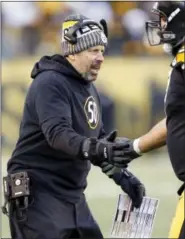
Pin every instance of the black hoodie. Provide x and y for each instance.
(61, 109)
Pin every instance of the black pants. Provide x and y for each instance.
(50, 218)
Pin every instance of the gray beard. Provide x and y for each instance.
(87, 76)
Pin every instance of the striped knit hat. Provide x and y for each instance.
(85, 39)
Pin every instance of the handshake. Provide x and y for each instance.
(112, 155)
(114, 150)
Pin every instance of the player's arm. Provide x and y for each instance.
(154, 139)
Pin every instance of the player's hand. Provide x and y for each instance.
(130, 185)
(128, 148)
(126, 153)
(106, 149)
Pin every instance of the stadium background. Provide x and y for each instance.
(132, 79)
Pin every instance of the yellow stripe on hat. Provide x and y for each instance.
(68, 24)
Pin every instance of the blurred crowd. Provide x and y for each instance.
(31, 28)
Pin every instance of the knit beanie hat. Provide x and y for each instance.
(88, 36)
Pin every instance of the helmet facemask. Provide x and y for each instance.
(156, 31)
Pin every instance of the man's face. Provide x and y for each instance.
(89, 62)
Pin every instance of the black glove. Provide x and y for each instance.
(98, 151)
(127, 152)
(130, 185)
(110, 169)
(128, 148)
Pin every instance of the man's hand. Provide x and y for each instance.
(130, 185)
(128, 182)
(106, 149)
(110, 169)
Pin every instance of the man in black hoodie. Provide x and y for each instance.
(61, 134)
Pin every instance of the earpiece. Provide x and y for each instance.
(71, 36)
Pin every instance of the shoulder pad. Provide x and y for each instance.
(179, 60)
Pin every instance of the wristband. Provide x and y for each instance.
(136, 146)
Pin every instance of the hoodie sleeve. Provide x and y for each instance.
(52, 104)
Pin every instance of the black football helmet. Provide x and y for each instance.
(173, 14)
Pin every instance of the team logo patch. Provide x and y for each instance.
(91, 112)
(66, 26)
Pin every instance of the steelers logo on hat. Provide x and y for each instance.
(103, 38)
